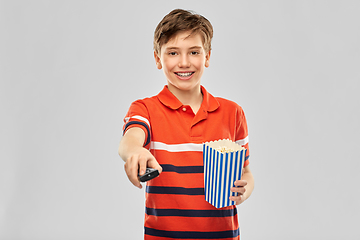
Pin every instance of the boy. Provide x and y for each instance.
(166, 132)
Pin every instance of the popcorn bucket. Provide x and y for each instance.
(223, 164)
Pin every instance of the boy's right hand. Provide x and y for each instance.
(137, 163)
(136, 157)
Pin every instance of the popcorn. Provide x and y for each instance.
(223, 165)
(224, 149)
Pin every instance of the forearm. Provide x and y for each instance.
(131, 142)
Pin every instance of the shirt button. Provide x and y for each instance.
(184, 109)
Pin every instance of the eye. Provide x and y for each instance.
(194, 53)
(172, 53)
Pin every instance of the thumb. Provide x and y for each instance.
(154, 164)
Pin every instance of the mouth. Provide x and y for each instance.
(184, 74)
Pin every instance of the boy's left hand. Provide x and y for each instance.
(240, 190)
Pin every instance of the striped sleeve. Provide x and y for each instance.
(137, 116)
(242, 137)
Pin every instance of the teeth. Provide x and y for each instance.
(184, 74)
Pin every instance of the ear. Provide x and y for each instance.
(157, 60)
(207, 59)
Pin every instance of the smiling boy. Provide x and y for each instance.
(166, 132)
(183, 60)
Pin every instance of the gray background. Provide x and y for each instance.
(70, 69)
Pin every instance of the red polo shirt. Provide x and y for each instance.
(175, 201)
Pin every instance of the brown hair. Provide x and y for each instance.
(182, 20)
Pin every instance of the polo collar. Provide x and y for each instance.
(169, 100)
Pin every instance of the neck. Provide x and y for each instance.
(192, 97)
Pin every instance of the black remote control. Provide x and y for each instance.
(149, 174)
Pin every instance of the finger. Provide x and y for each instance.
(131, 169)
(154, 164)
(142, 165)
(240, 183)
(239, 190)
(236, 199)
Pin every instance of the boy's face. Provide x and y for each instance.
(183, 60)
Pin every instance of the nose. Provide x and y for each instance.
(184, 62)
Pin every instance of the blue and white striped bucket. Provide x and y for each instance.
(221, 170)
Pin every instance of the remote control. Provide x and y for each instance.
(149, 174)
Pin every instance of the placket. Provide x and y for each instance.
(187, 114)
(194, 121)
(197, 128)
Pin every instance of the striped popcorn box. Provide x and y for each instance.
(223, 164)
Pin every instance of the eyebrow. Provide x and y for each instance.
(176, 48)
